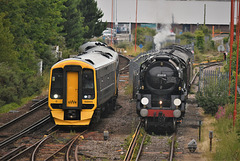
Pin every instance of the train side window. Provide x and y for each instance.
(57, 84)
(88, 84)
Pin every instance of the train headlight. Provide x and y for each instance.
(177, 113)
(160, 102)
(177, 102)
(144, 101)
(55, 96)
(144, 112)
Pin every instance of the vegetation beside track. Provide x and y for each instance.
(128, 141)
(227, 146)
(30, 31)
(217, 103)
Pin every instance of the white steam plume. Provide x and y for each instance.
(161, 36)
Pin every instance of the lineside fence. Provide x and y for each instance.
(209, 78)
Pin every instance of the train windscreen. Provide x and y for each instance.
(57, 84)
(88, 84)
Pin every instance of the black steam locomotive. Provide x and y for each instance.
(163, 86)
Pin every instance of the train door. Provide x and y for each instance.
(72, 89)
(72, 95)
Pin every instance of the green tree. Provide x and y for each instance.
(199, 36)
(43, 19)
(73, 26)
(205, 30)
(7, 51)
(187, 37)
(92, 18)
(35, 24)
(142, 32)
(27, 29)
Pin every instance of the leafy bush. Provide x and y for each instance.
(16, 84)
(187, 37)
(123, 44)
(142, 32)
(199, 36)
(228, 137)
(212, 96)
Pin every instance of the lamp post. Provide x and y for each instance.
(136, 26)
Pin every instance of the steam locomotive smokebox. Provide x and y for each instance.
(192, 145)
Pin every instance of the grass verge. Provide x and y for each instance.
(13, 106)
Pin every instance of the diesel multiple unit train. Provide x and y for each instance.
(163, 86)
(83, 87)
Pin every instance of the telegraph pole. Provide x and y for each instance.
(136, 26)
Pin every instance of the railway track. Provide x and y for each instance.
(132, 145)
(166, 152)
(48, 148)
(34, 108)
(124, 63)
(25, 131)
(22, 126)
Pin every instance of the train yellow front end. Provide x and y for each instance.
(72, 92)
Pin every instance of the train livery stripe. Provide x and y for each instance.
(166, 113)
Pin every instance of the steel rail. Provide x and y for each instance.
(39, 102)
(172, 148)
(33, 156)
(140, 149)
(76, 153)
(26, 150)
(25, 131)
(65, 146)
(13, 152)
(131, 147)
(194, 78)
(122, 69)
(71, 145)
(36, 107)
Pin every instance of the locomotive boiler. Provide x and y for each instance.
(84, 87)
(164, 83)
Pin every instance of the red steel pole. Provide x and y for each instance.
(136, 26)
(231, 42)
(237, 37)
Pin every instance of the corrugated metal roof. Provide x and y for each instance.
(161, 11)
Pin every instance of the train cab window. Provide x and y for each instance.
(57, 84)
(88, 84)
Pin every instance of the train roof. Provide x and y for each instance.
(180, 52)
(97, 56)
